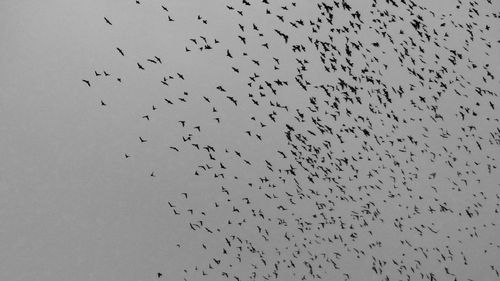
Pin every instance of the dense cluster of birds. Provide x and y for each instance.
(362, 138)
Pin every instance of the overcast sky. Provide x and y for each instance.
(72, 207)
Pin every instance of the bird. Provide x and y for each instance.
(107, 21)
(120, 51)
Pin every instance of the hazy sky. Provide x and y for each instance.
(73, 208)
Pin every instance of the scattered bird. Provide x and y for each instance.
(341, 162)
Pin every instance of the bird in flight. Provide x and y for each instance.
(107, 21)
(120, 51)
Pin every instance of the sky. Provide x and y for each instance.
(72, 207)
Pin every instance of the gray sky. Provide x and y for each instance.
(73, 208)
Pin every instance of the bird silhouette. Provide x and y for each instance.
(325, 135)
(107, 21)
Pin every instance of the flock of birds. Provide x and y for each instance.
(368, 134)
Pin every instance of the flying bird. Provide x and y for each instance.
(120, 51)
(107, 21)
